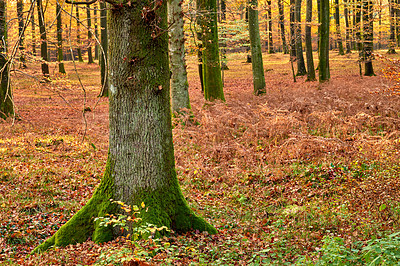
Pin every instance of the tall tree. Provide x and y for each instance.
(140, 166)
(301, 67)
(338, 33)
(292, 25)
(89, 35)
(104, 46)
(212, 78)
(20, 15)
(179, 82)
(282, 26)
(96, 33)
(323, 66)
(60, 56)
(309, 50)
(6, 103)
(43, 40)
(255, 47)
(78, 36)
(347, 24)
(368, 24)
(357, 21)
(270, 43)
(33, 30)
(392, 20)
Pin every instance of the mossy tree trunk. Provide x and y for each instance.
(6, 103)
(78, 36)
(179, 82)
(309, 50)
(323, 66)
(347, 24)
(337, 23)
(21, 47)
(141, 165)
(368, 23)
(255, 47)
(282, 26)
(301, 67)
(43, 40)
(104, 45)
(392, 20)
(212, 78)
(89, 35)
(60, 56)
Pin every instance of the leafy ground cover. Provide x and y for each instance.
(302, 170)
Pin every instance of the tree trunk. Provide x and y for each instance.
(346, 19)
(60, 57)
(255, 47)
(179, 82)
(282, 26)
(292, 30)
(223, 10)
(96, 34)
(78, 36)
(104, 54)
(212, 78)
(270, 43)
(323, 66)
(20, 15)
(89, 34)
(6, 103)
(43, 39)
(301, 67)
(309, 50)
(33, 32)
(397, 12)
(358, 31)
(392, 19)
(140, 166)
(368, 22)
(338, 33)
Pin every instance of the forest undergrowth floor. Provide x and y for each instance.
(274, 174)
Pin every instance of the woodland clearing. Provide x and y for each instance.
(274, 174)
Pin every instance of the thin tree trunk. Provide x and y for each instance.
(179, 82)
(301, 67)
(282, 26)
(358, 31)
(6, 103)
(309, 50)
(368, 22)
(346, 19)
(392, 38)
(21, 34)
(338, 33)
(397, 12)
(33, 32)
(96, 34)
(212, 78)
(223, 10)
(292, 30)
(43, 39)
(78, 36)
(140, 166)
(89, 35)
(255, 47)
(104, 45)
(60, 57)
(270, 43)
(323, 66)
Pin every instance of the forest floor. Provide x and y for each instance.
(276, 174)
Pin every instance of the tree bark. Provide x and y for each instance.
(89, 35)
(338, 33)
(78, 36)
(392, 19)
(309, 50)
(292, 30)
(60, 57)
(43, 40)
(104, 54)
(346, 19)
(179, 82)
(282, 26)
(270, 43)
(21, 46)
(140, 166)
(323, 66)
(212, 78)
(358, 31)
(255, 47)
(368, 32)
(33, 30)
(301, 67)
(6, 103)
(96, 34)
